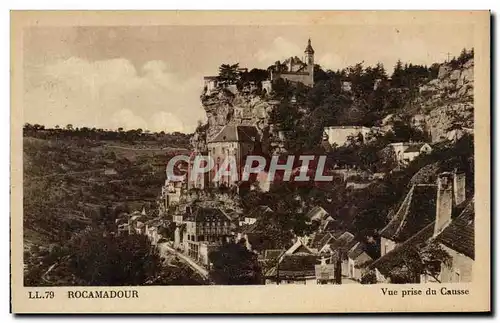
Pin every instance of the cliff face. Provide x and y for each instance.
(448, 100)
(235, 108)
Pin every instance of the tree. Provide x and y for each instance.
(417, 260)
(103, 260)
(397, 75)
(69, 126)
(255, 75)
(433, 256)
(233, 264)
(229, 73)
(369, 278)
(434, 71)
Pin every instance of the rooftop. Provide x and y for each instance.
(309, 49)
(316, 213)
(417, 210)
(273, 254)
(356, 250)
(459, 235)
(207, 215)
(396, 257)
(414, 148)
(345, 241)
(259, 211)
(327, 238)
(295, 266)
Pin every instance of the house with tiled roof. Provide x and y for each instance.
(396, 257)
(357, 259)
(417, 210)
(455, 234)
(457, 239)
(406, 152)
(257, 213)
(269, 258)
(272, 254)
(295, 266)
(416, 150)
(329, 225)
(339, 247)
(254, 241)
(322, 240)
(317, 214)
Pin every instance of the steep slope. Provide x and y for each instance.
(234, 107)
(447, 102)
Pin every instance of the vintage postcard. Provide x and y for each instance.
(250, 162)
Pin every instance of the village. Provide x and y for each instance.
(431, 228)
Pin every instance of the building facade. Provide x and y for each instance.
(339, 135)
(298, 71)
(231, 143)
(205, 225)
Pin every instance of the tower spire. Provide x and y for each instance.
(309, 49)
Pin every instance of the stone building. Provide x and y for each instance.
(297, 70)
(170, 194)
(296, 266)
(406, 152)
(457, 239)
(205, 225)
(339, 135)
(357, 259)
(426, 215)
(232, 142)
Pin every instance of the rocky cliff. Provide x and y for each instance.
(448, 101)
(225, 107)
(441, 105)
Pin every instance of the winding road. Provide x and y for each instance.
(165, 249)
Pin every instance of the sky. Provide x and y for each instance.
(151, 77)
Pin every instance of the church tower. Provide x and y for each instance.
(310, 60)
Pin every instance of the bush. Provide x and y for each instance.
(369, 278)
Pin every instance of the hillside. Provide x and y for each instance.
(412, 103)
(69, 184)
(448, 101)
(433, 100)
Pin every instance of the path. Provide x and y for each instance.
(165, 249)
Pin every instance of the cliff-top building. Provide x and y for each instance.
(297, 70)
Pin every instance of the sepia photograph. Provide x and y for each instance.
(160, 155)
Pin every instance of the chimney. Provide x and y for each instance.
(444, 202)
(458, 187)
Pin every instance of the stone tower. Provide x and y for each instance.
(310, 60)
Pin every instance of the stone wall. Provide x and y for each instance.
(304, 78)
(340, 135)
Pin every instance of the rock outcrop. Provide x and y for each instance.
(225, 107)
(448, 101)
